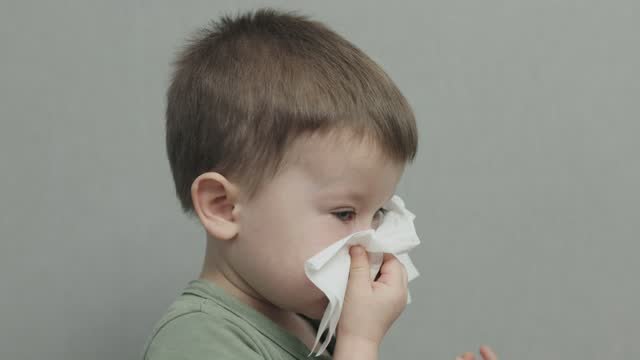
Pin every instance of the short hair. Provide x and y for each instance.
(244, 87)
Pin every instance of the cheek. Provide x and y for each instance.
(312, 294)
(328, 230)
(308, 284)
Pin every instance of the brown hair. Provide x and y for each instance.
(244, 88)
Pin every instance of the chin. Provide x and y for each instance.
(316, 309)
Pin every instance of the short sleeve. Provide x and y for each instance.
(201, 336)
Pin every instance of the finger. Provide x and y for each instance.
(391, 271)
(467, 356)
(388, 257)
(406, 276)
(359, 270)
(487, 353)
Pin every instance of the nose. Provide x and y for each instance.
(366, 224)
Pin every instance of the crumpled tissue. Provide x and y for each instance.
(329, 269)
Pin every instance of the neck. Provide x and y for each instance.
(219, 272)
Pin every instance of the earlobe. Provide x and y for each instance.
(215, 202)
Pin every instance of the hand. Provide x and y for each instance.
(370, 307)
(485, 351)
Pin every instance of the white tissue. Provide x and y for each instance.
(329, 269)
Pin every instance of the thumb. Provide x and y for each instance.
(359, 271)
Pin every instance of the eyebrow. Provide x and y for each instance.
(354, 195)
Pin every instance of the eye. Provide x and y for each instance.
(345, 215)
(348, 215)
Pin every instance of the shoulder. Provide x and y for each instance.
(195, 334)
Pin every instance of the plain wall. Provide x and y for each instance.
(525, 186)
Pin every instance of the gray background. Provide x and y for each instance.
(525, 185)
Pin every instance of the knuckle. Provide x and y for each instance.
(359, 267)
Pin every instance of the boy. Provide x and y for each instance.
(282, 138)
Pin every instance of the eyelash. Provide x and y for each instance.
(383, 211)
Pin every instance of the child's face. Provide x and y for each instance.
(330, 188)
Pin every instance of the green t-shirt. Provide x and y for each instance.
(207, 323)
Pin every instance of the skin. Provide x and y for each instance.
(331, 185)
(485, 351)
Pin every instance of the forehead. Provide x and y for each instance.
(341, 160)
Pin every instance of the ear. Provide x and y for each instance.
(215, 201)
